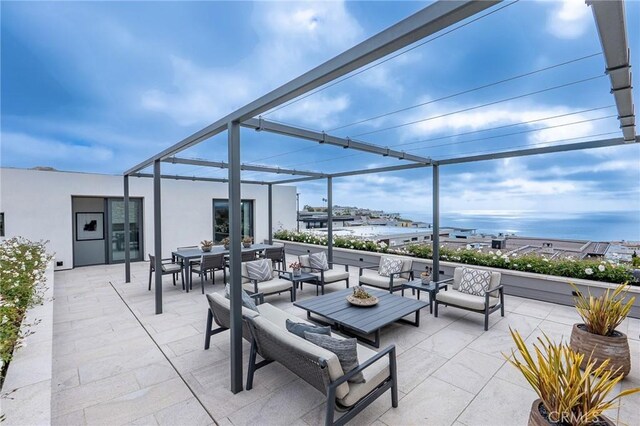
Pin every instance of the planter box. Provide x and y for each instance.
(29, 375)
(547, 288)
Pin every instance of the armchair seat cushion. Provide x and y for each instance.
(171, 267)
(464, 300)
(373, 279)
(373, 376)
(333, 275)
(269, 287)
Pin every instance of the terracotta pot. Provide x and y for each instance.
(615, 348)
(540, 417)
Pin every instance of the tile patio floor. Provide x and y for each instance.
(116, 362)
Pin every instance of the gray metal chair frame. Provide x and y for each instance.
(321, 271)
(221, 316)
(248, 256)
(487, 309)
(208, 263)
(392, 288)
(277, 256)
(314, 371)
(152, 269)
(281, 274)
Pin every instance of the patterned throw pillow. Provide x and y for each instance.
(319, 261)
(260, 270)
(389, 265)
(474, 281)
(247, 301)
(299, 328)
(345, 349)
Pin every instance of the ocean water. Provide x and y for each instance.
(599, 226)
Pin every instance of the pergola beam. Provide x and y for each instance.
(536, 151)
(260, 124)
(612, 30)
(421, 24)
(246, 167)
(196, 178)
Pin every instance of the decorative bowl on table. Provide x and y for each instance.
(206, 249)
(361, 298)
(206, 245)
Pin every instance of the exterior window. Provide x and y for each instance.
(1, 224)
(221, 219)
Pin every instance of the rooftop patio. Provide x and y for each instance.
(117, 362)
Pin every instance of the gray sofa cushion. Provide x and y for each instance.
(372, 278)
(346, 350)
(332, 275)
(247, 301)
(474, 281)
(260, 270)
(299, 328)
(464, 300)
(389, 265)
(319, 261)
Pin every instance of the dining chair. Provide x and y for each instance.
(209, 263)
(169, 267)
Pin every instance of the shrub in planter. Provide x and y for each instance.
(22, 268)
(598, 336)
(567, 394)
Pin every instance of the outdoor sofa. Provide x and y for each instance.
(317, 366)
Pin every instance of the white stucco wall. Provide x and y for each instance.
(37, 205)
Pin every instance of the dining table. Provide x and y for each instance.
(186, 256)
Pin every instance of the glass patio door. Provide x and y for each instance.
(221, 219)
(115, 229)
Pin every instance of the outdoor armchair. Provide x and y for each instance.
(488, 302)
(277, 256)
(328, 276)
(209, 263)
(276, 285)
(370, 276)
(168, 268)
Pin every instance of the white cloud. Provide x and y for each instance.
(29, 151)
(293, 38)
(568, 19)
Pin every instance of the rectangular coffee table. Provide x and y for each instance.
(360, 321)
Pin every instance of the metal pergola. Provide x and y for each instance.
(611, 26)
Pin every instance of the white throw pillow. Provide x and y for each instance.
(260, 270)
(318, 261)
(474, 281)
(389, 265)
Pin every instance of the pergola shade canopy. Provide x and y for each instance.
(611, 26)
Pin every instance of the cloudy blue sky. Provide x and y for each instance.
(100, 86)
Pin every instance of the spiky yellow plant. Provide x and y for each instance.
(569, 394)
(601, 315)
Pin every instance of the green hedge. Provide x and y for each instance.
(596, 270)
(22, 265)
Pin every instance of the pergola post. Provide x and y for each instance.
(127, 236)
(436, 223)
(235, 256)
(330, 219)
(270, 214)
(157, 234)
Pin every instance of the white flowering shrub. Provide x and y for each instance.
(22, 276)
(591, 269)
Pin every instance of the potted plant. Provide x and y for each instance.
(247, 241)
(296, 268)
(206, 245)
(597, 336)
(568, 395)
(225, 242)
(426, 275)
